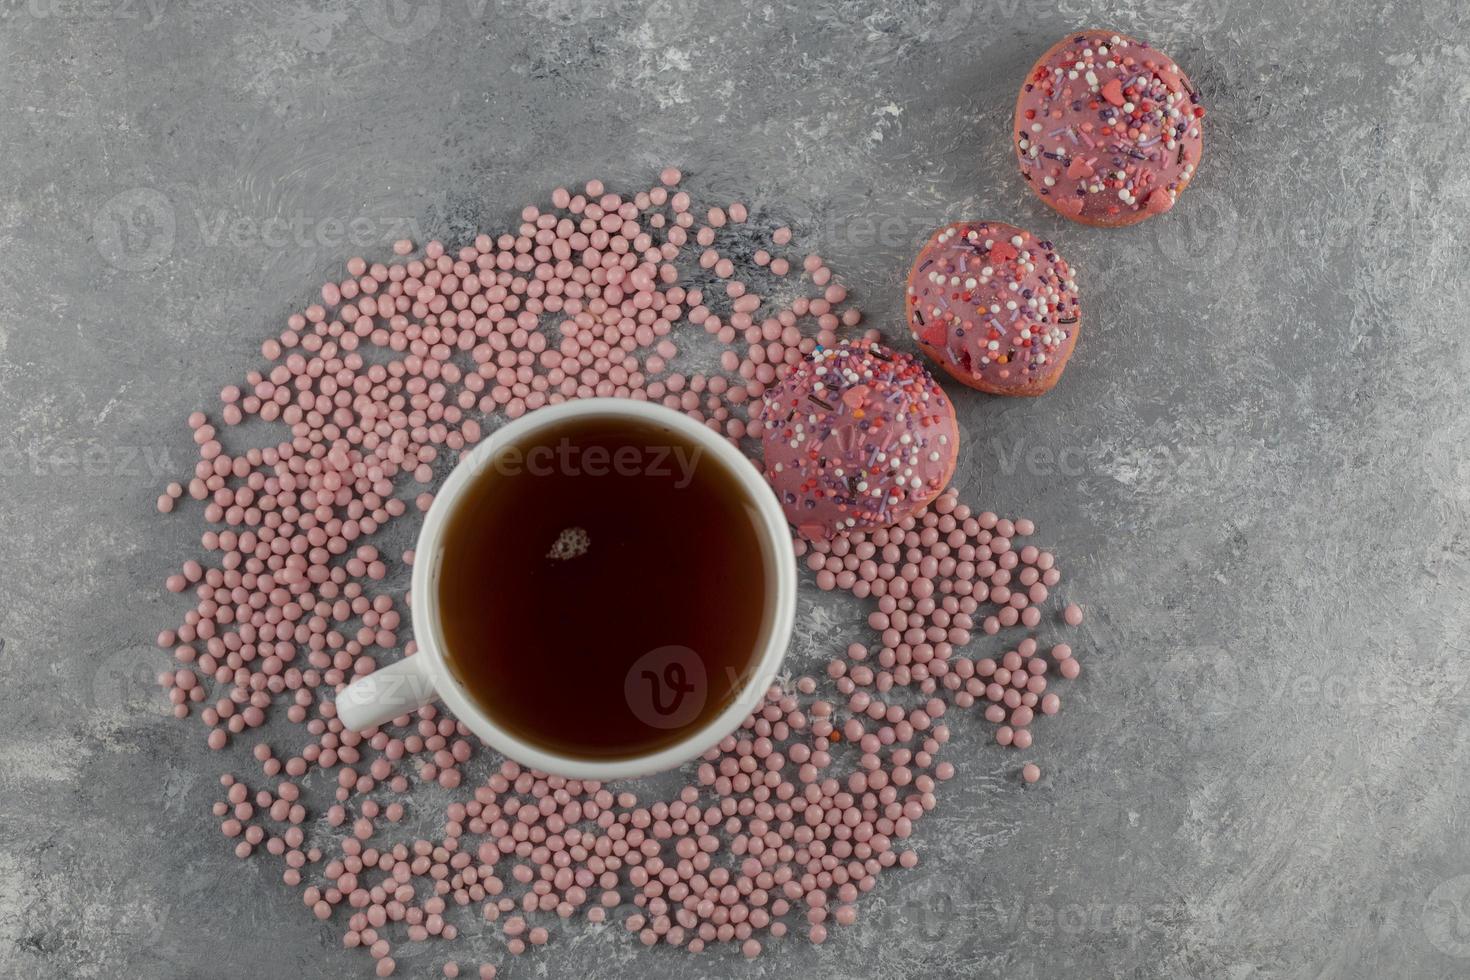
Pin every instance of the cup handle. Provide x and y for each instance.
(385, 694)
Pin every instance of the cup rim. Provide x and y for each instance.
(428, 633)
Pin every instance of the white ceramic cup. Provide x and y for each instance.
(415, 681)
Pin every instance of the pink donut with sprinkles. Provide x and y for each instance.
(995, 307)
(857, 437)
(1108, 129)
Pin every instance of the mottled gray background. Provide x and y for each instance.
(1254, 471)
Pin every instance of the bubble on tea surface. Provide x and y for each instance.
(573, 542)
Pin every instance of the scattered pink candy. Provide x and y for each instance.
(373, 392)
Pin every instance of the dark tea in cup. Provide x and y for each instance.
(603, 588)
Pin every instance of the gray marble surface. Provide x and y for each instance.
(1255, 469)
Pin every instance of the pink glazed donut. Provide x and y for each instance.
(1108, 129)
(857, 437)
(995, 307)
